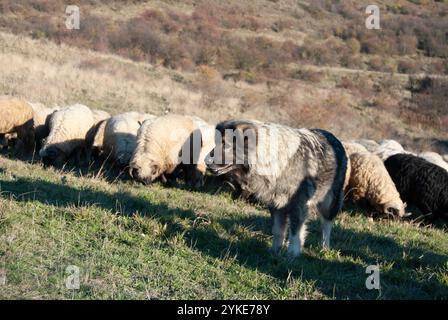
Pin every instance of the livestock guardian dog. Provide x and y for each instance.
(292, 171)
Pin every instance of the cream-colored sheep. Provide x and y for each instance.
(41, 116)
(434, 158)
(100, 115)
(169, 144)
(95, 140)
(68, 129)
(16, 118)
(353, 147)
(120, 136)
(370, 180)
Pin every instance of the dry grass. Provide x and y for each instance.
(345, 101)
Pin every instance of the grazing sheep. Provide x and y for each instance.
(120, 136)
(170, 144)
(16, 117)
(391, 144)
(293, 171)
(420, 183)
(68, 129)
(389, 148)
(100, 115)
(370, 145)
(370, 180)
(353, 147)
(41, 116)
(434, 158)
(95, 140)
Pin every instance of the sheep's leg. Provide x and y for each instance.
(279, 222)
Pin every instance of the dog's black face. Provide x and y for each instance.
(233, 144)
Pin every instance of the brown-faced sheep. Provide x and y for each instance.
(16, 117)
(120, 136)
(370, 180)
(68, 129)
(170, 144)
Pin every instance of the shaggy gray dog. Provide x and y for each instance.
(292, 171)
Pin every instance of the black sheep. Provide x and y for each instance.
(420, 183)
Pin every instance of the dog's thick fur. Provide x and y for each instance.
(420, 183)
(304, 173)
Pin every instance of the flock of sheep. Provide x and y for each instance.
(383, 175)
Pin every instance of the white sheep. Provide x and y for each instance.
(170, 144)
(68, 128)
(434, 158)
(41, 116)
(389, 148)
(120, 136)
(370, 180)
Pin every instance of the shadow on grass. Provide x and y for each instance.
(335, 277)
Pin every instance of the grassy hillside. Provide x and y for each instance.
(131, 241)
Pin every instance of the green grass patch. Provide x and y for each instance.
(135, 242)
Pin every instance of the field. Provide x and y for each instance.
(130, 241)
(135, 242)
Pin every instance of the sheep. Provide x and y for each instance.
(389, 148)
(370, 145)
(370, 180)
(41, 116)
(353, 147)
(170, 144)
(120, 136)
(95, 140)
(350, 148)
(100, 115)
(420, 183)
(68, 128)
(434, 158)
(16, 117)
